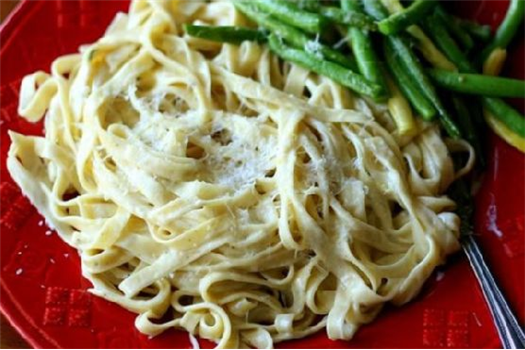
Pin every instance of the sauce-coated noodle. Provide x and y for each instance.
(217, 189)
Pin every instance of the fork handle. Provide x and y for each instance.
(509, 330)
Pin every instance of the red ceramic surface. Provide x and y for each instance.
(44, 295)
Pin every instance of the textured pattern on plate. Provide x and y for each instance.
(446, 329)
(44, 294)
(65, 306)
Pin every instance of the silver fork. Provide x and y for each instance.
(509, 330)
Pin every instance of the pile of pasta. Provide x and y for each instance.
(217, 189)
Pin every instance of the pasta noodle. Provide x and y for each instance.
(216, 189)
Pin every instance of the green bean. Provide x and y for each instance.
(291, 14)
(309, 5)
(467, 126)
(413, 67)
(422, 41)
(403, 19)
(501, 110)
(450, 126)
(478, 84)
(348, 17)
(462, 36)
(352, 5)
(482, 32)
(225, 34)
(475, 106)
(375, 9)
(507, 28)
(505, 113)
(293, 35)
(460, 193)
(411, 63)
(437, 30)
(366, 58)
(361, 45)
(410, 90)
(331, 70)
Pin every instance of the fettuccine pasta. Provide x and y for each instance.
(217, 189)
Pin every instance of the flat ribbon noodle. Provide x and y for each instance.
(247, 198)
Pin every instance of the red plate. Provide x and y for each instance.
(44, 295)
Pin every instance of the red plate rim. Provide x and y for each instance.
(9, 306)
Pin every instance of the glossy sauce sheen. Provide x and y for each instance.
(43, 292)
